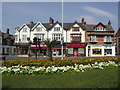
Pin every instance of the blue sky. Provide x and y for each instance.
(14, 14)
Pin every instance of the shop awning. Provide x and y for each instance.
(75, 45)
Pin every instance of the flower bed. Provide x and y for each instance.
(28, 70)
(57, 63)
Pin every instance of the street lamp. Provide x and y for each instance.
(62, 34)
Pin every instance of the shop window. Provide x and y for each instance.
(7, 50)
(97, 51)
(70, 50)
(80, 51)
(108, 51)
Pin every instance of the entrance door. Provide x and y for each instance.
(3, 51)
(75, 51)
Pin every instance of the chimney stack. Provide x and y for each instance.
(31, 22)
(109, 22)
(7, 31)
(83, 21)
(51, 21)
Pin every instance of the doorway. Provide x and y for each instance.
(75, 51)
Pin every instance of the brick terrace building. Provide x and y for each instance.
(100, 40)
(7, 43)
(118, 42)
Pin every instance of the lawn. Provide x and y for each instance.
(95, 78)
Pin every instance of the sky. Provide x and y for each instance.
(15, 14)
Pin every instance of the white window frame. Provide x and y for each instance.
(24, 37)
(107, 37)
(56, 37)
(40, 36)
(56, 28)
(38, 29)
(24, 29)
(93, 37)
(16, 37)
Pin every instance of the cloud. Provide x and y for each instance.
(89, 19)
(98, 12)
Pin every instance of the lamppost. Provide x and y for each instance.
(62, 34)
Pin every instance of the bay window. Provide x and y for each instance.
(56, 37)
(75, 37)
(107, 39)
(92, 38)
(40, 36)
(24, 37)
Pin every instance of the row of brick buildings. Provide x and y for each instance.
(80, 39)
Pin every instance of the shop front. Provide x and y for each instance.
(76, 49)
(100, 50)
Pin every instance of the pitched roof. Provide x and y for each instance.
(31, 25)
(90, 27)
(47, 25)
(68, 26)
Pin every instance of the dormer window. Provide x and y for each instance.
(75, 28)
(99, 29)
(24, 29)
(56, 28)
(39, 29)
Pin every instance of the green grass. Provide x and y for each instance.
(95, 78)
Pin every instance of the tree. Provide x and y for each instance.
(50, 45)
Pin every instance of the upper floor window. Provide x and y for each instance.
(92, 38)
(40, 36)
(56, 37)
(24, 29)
(75, 28)
(16, 37)
(118, 39)
(100, 29)
(56, 28)
(24, 37)
(75, 37)
(39, 29)
(107, 39)
(0, 40)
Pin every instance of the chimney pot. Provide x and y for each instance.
(109, 22)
